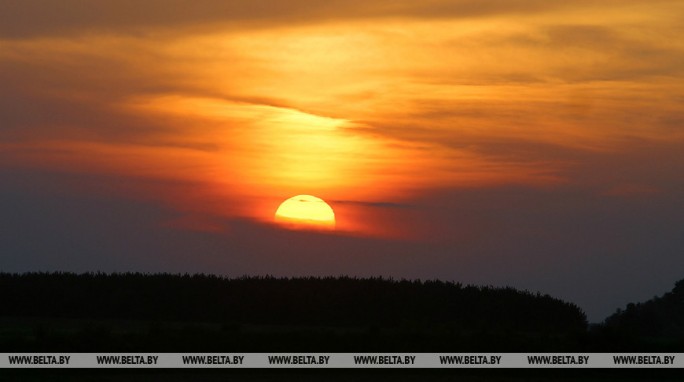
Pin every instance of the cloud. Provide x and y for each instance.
(27, 18)
(373, 204)
(605, 53)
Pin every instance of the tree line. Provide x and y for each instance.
(182, 312)
(656, 324)
(308, 301)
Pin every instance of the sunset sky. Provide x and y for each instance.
(536, 144)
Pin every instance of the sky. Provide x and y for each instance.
(522, 143)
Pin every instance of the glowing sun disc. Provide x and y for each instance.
(306, 211)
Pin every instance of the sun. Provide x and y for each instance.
(307, 212)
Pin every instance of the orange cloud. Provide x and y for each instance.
(365, 102)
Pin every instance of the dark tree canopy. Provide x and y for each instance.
(342, 301)
(165, 312)
(661, 317)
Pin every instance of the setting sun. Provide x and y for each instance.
(306, 211)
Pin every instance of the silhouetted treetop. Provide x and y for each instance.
(307, 301)
(659, 317)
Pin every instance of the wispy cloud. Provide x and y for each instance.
(358, 101)
(28, 18)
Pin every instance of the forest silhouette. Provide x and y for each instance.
(183, 313)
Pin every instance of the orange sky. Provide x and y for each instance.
(385, 109)
(368, 108)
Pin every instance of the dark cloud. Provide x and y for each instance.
(373, 204)
(25, 18)
(615, 55)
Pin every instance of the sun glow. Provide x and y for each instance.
(371, 111)
(305, 211)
